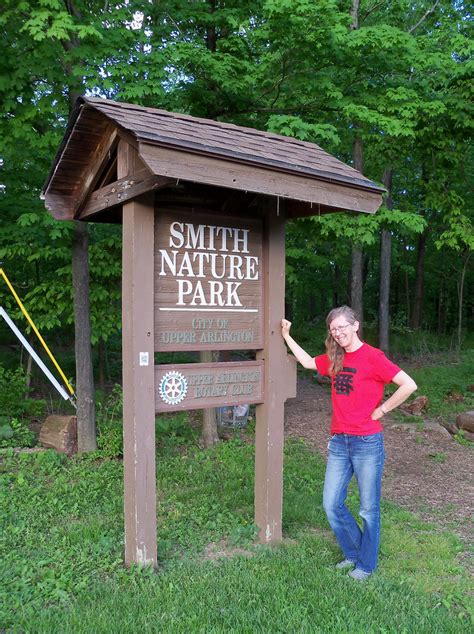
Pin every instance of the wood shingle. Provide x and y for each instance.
(186, 148)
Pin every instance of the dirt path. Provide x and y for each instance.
(425, 472)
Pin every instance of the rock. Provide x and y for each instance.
(17, 450)
(432, 426)
(454, 397)
(415, 407)
(465, 421)
(450, 427)
(60, 433)
(410, 427)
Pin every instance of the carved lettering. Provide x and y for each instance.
(206, 391)
(207, 247)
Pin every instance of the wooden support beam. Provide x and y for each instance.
(270, 414)
(139, 382)
(121, 191)
(138, 373)
(101, 156)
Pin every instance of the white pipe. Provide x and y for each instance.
(57, 385)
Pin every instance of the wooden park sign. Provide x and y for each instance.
(202, 385)
(203, 206)
(208, 282)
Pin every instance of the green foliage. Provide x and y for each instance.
(110, 440)
(461, 438)
(15, 433)
(438, 457)
(398, 78)
(445, 380)
(63, 538)
(12, 391)
(296, 127)
(6, 431)
(172, 430)
(109, 424)
(16, 410)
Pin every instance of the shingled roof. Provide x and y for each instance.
(201, 150)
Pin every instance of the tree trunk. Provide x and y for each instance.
(357, 270)
(312, 305)
(355, 14)
(385, 271)
(101, 365)
(209, 436)
(460, 298)
(465, 421)
(357, 283)
(417, 314)
(335, 288)
(211, 36)
(357, 275)
(86, 432)
(29, 373)
(384, 292)
(439, 309)
(407, 298)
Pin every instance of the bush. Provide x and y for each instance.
(110, 440)
(171, 429)
(109, 424)
(15, 433)
(16, 410)
(173, 426)
(12, 391)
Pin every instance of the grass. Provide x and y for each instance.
(445, 382)
(62, 542)
(445, 379)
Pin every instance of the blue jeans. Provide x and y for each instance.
(363, 456)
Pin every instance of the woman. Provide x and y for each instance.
(359, 373)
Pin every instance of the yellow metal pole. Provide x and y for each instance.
(35, 329)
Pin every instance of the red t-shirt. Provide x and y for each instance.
(358, 389)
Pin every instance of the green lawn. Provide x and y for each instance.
(447, 384)
(62, 541)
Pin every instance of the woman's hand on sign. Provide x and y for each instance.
(303, 357)
(285, 327)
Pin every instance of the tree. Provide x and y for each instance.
(385, 270)
(397, 86)
(46, 78)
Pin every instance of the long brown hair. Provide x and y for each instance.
(334, 351)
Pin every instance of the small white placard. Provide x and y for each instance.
(144, 358)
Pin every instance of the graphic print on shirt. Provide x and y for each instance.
(343, 383)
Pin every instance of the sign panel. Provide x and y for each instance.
(201, 385)
(208, 282)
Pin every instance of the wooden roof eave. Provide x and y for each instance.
(330, 195)
(168, 163)
(87, 201)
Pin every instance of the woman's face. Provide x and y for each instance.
(343, 331)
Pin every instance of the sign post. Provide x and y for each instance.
(138, 372)
(279, 383)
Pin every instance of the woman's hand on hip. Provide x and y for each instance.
(377, 413)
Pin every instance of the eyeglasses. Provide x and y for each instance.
(334, 331)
